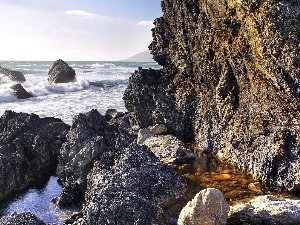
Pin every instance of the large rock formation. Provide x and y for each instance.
(7, 75)
(29, 148)
(230, 81)
(61, 72)
(116, 181)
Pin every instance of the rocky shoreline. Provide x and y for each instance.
(229, 85)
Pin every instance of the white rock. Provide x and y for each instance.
(207, 208)
(167, 148)
(267, 209)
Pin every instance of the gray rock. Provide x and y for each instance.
(133, 190)
(167, 148)
(29, 151)
(25, 218)
(114, 113)
(159, 129)
(266, 210)
(7, 75)
(61, 72)
(20, 92)
(115, 182)
(208, 207)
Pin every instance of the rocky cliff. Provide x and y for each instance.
(230, 82)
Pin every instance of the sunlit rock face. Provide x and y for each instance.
(230, 81)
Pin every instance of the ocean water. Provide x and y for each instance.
(100, 85)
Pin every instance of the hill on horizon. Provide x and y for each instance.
(140, 57)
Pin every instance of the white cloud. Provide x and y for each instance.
(146, 24)
(81, 14)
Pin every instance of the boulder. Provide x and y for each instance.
(25, 218)
(167, 148)
(7, 75)
(20, 92)
(230, 82)
(29, 149)
(113, 179)
(208, 207)
(266, 209)
(61, 72)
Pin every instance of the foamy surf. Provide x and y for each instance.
(100, 85)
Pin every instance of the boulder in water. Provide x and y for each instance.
(20, 92)
(61, 72)
(11, 75)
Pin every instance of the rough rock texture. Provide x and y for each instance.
(230, 81)
(266, 210)
(61, 72)
(208, 207)
(21, 219)
(29, 148)
(116, 181)
(20, 92)
(7, 75)
(167, 148)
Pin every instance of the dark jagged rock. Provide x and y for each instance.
(20, 92)
(150, 96)
(11, 75)
(29, 148)
(61, 72)
(25, 218)
(117, 182)
(231, 78)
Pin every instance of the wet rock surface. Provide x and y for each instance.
(115, 180)
(11, 75)
(230, 81)
(61, 72)
(29, 149)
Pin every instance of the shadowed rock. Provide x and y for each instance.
(29, 148)
(117, 182)
(61, 72)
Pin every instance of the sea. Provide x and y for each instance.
(100, 85)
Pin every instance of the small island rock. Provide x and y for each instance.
(61, 72)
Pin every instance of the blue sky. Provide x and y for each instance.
(75, 29)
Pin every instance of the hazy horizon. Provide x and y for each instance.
(96, 30)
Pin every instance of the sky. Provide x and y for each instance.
(75, 29)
